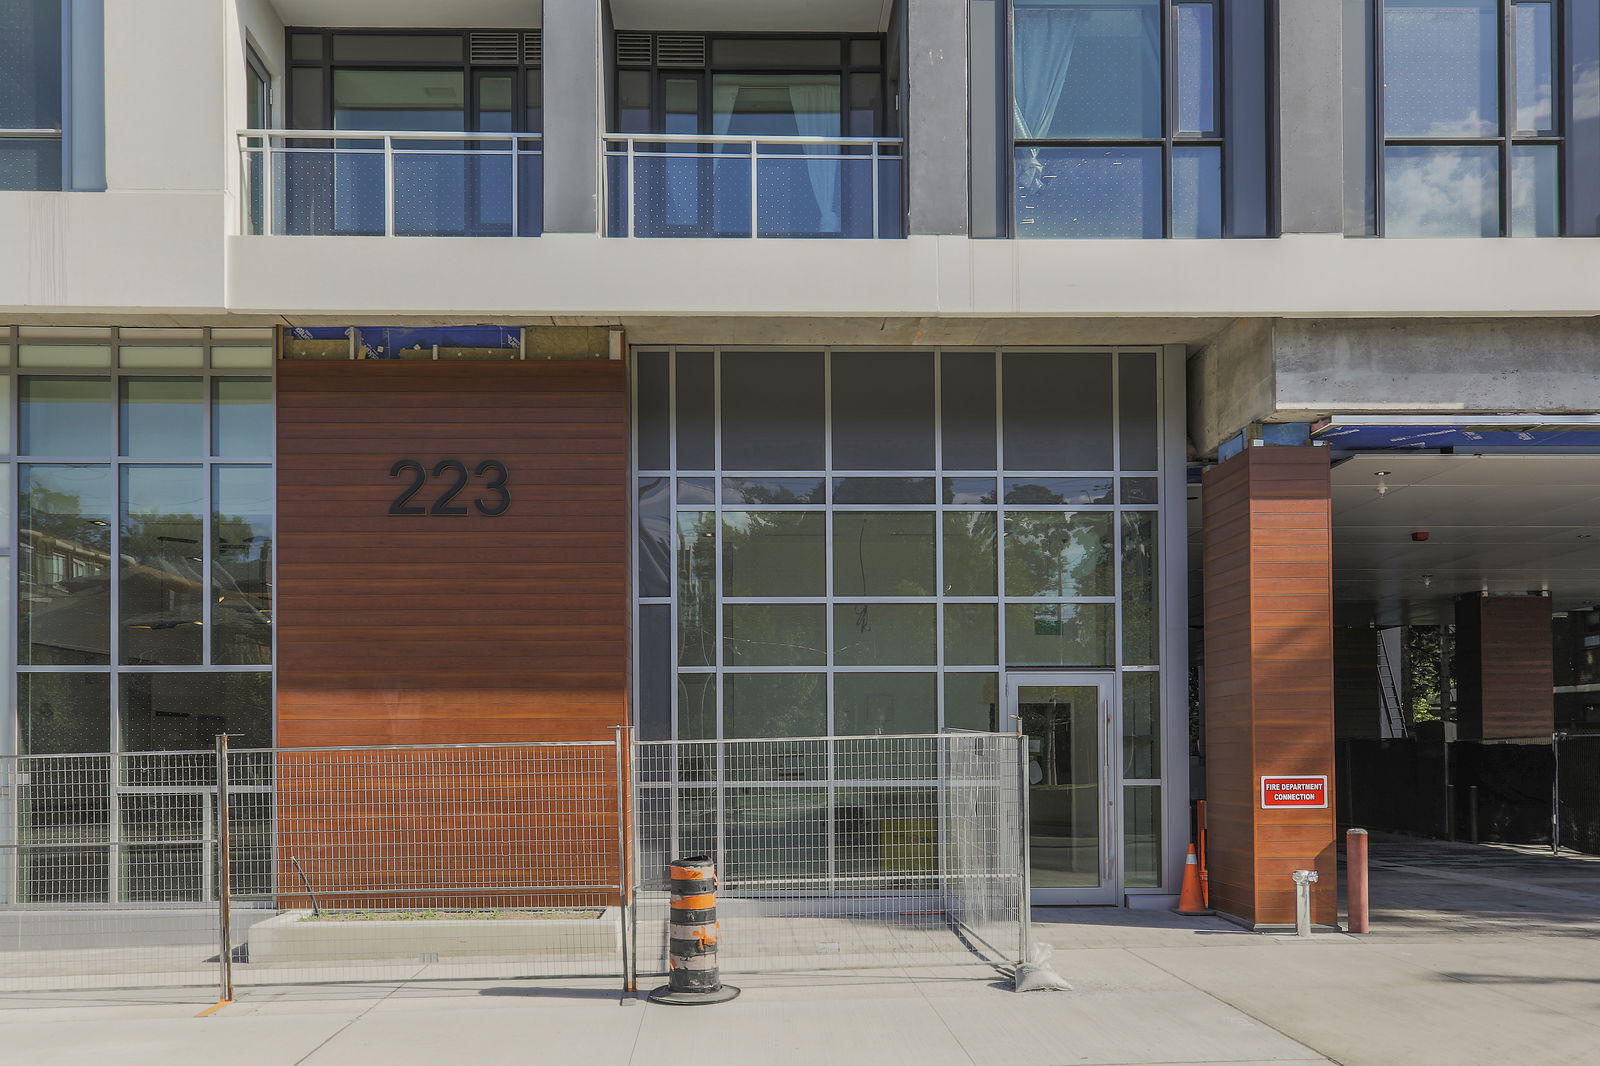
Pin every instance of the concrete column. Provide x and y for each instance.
(1267, 533)
(573, 116)
(936, 119)
(1505, 670)
(1311, 116)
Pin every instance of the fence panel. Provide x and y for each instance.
(444, 862)
(506, 861)
(837, 852)
(107, 870)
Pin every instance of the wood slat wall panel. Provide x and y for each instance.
(1506, 686)
(453, 629)
(449, 629)
(1267, 545)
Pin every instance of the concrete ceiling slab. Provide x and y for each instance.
(753, 16)
(1510, 524)
(411, 14)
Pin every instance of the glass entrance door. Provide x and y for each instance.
(1067, 719)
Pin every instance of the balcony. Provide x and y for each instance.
(343, 183)
(692, 185)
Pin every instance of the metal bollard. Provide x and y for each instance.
(1355, 873)
(1303, 880)
(692, 977)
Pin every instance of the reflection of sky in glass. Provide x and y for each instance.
(1197, 92)
(1440, 61)
(1535, 190)
(1197, 191)
(1535, 37)
(1445, 191)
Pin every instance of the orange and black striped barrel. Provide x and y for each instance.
(692, 931)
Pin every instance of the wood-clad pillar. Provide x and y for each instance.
(1267, 532)
(1505, 683)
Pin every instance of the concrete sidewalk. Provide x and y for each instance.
(1518, 984)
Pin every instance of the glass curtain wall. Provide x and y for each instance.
(141, 585)
(852, 542)
(30, 94)
(1116, 118)
(1471, 117)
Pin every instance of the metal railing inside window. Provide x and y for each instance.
(1469, 97)
(703, 185)
(1117, 119)
(349, 183)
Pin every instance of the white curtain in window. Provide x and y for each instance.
(816, 114)
(1045, 37)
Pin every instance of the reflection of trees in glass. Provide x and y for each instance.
(163, 585)
(969, 553)
(697, 588)
(775, 705)
(883, 553)
(1139, 587)
(64, 579)
(773, 490)
(773, 553)
(1059, 553)
(771, 634)
(241, 579)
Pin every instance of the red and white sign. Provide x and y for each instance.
(1303, 790)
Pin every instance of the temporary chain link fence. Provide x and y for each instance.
(505, 861)
(838, 852)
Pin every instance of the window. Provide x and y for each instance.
(368, 83)
(1470, 106)
(1117, 124)
(138, 591)
(745, 89)
(30, 94)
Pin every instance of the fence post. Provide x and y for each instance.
(224, 879)
(1555, 793)
(624, 863)
(1025, 902)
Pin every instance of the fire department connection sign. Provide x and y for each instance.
(1309, 792)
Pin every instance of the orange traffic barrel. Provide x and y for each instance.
(692, 975)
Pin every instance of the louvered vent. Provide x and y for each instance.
(680, 50)
(494, 47)
(633, 49)
(533, 48)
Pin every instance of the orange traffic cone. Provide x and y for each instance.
(1192, 902)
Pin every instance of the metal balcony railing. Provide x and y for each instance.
(689, 185)
(359, 183)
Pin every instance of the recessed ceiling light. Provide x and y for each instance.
(1382, 473)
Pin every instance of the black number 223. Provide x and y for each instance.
(454, 472)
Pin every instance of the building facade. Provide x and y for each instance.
(735, 370)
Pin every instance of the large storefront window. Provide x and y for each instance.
(141, 464)
(856, 542)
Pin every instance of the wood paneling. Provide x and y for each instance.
(1267, 535)
(1505, 665)
(451, 629)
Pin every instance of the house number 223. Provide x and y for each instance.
(453, 474)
